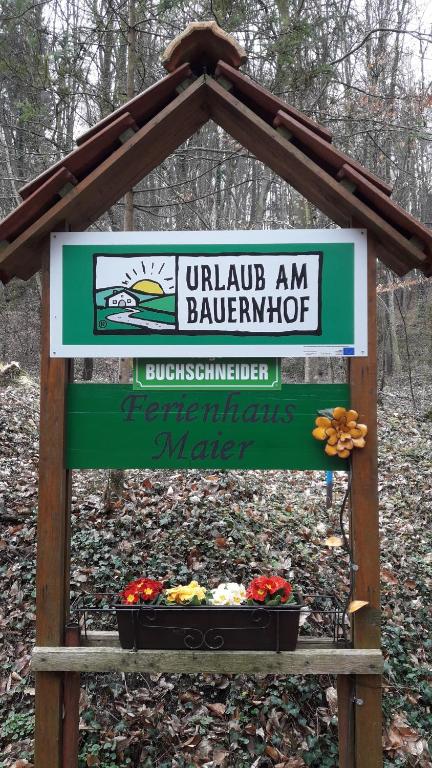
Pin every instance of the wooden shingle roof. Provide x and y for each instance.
(203, 83)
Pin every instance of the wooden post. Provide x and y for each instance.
(365, 538)
(71, 696)
(345, 700)
(53, 536)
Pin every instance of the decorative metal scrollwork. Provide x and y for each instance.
(194, 638)
(147, 613)
(261, 618)
(213, 639)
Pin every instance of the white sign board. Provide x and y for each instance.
(209, 294)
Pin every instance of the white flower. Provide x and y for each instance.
(228, 594)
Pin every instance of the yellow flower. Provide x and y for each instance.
(341, 432)
(185, 593)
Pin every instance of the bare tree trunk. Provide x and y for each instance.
(129, 218)
(128, 223)
(87, 373)
(116, 477)
(395, 355)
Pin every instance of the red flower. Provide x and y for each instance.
(146, 590)
(257, 589)
(265, 588)
(129, 597)
(149, 589)
(282, 587)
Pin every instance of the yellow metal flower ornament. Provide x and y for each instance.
(341, 430)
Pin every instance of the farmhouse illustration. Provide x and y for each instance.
(121, 299)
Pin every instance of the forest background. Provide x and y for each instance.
(363, 69)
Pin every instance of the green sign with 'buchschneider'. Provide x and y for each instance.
(114, 426)
(207, 374)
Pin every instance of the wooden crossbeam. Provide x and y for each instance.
(416, 232)
(307, 177)
(112, 178)
(83, 159)
(37, 203)
(306, 661)
(145, 105)
(266, 101)
(311, 143)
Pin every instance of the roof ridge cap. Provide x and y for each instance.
(202, 44)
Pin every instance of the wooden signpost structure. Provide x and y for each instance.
(204, 82)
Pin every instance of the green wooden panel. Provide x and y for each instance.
(113, 426)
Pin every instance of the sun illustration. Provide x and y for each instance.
(148, 286)
(154, 276)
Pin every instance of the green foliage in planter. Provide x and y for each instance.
(277, 600)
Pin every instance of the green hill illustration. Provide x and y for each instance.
(134, 309)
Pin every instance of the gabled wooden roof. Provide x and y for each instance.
(204, 82)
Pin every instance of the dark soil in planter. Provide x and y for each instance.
(237, 628)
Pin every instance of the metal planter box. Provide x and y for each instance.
(204, 628)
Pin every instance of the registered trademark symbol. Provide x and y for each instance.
(102, 323)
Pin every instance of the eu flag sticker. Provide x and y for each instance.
(347, 351)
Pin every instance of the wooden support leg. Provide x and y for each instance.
(48, 723)
(52, 568)
(71, 696)
(368, 722)
(345, 694)
(365, 538)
